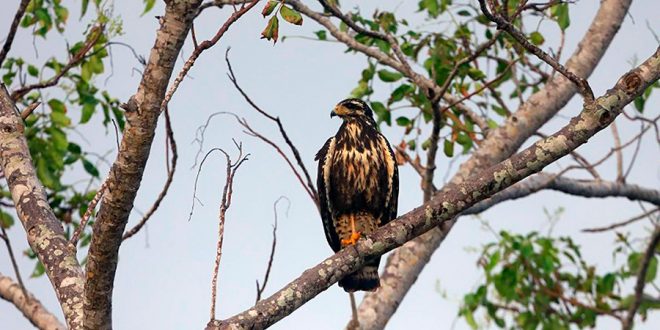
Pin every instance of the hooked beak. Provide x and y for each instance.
(333, 114)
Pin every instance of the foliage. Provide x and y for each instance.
(271, 32)
(534, 281)
(75, 101)
(461, 28)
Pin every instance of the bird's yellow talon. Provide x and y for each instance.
(355, 236)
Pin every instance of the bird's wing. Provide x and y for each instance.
(392, 181)
(324, 156)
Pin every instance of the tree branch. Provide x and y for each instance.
(142, 112)
(171, 143)
(583, 188)
(204, 45)
(400, 274)
(311, 189)
(31, 308)
(44, 231)
(12, 30)
(97, 32)
(504, 24)
(227, 192)
(628, 322)
(448, 203)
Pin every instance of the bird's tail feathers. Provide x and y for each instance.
(364, 279)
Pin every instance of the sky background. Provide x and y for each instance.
(164, 273)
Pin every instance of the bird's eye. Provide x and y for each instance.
(353, 105)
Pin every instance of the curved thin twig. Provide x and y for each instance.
(168, 182)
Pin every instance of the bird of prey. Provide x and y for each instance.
(358, 185)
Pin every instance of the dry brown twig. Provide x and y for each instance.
(97, 32)
(310, 187)
(261, 287)
(622, 223)
(6, 47)
(628, 322)
(204, 45)
(171, 168)
(224, 206)
(503, 24)
(14, 264)
(88, 213)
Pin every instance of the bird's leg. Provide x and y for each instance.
(355, 235)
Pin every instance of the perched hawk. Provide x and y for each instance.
(358, 184)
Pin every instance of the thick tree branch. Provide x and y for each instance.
(12, 30)
(450, 202)
(44, 231)
(142, 112)
(583, 188)
(400, 273)
(31, 308)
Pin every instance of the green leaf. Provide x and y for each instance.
(463, 13)
(639, 103)
(45, 175)
(90, 168)
(449, 148)
(148, 5)
(6, 220)
(85, 4)
(291, 15)
(401, 91)
(269, 7)
(272, 29)
(32, 70)
(537, 38)
(403, 121)
(431, 6)
(321, 34)
(382, 113)
(87, 112)
(60, 119)
(57, 106)
(389, 76)
(652, 270)
(560, 13)
(476, 74)
(38, 270)
(361, 90)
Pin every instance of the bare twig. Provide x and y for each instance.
(14, 264)
(88, 213)
(262, 287)
(354, 324)
(96, 33)
(350, 23)
(311, 189)
(224, 206)
(621, 224)
(12, 30)
(619, 153)
(171, 167)
(29, 109)
(204, 45)
(503, 24)
(627, 323)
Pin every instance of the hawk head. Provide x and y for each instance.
(352, 109)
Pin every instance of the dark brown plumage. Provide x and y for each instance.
(358, 185)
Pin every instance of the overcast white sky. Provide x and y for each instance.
(163, 279)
